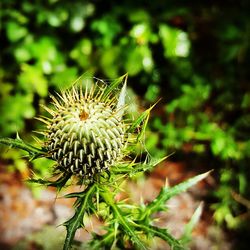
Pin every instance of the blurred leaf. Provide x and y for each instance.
(64, 79)
(175, 41)
(22, 53)
(13, 111)
(187, 235)
(77, 23)
(57, 17)
(110, 62)
(43, 167)
(224, 145)
(138, 58)
(15, 159)
(32, 80)
(15, 31)
(138, 15)
(246, 100)
(152, 93)
(6, 88)
(133, 64)
(141, 32)
(82, 53)
(192, 97)
(108, 28)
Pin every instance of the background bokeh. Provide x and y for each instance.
(194, 56)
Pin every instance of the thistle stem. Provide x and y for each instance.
(19, 143)
(108, 197)
(76, 221)
(161, 233)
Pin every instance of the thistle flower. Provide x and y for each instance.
(87, 133)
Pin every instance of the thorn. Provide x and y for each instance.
(142, 200)
(17, 136)
(166, 183)
(42, 120)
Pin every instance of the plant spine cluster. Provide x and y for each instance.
(86, 134)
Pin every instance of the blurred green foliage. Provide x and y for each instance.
(194, 56)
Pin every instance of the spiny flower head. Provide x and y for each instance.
(87, 133)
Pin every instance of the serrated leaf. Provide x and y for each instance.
(142, 120)
(122, 220)
(166, 193)
(59, 183)
(109, 89)
(75, 195)
(76, 221)
(19, 143)
(186, 237)
(121, 100)
(163, 234)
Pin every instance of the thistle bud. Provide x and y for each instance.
(86, 134)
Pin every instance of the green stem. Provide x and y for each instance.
(77, 220)
(106, 239)
(128, 228)
(161, 233)
(19, 143)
